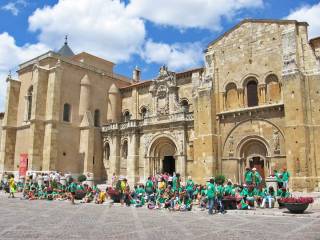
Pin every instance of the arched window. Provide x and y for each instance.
(273, 91)
(231, 96)
(107, 151)
(184, 106)
(66, 112)
(252, 93)
(29, 102)
(97, 118)
(143, 112)
(125, 149)
(126, 116)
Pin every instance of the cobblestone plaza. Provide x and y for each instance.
(60, 220)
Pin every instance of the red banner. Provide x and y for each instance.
(23, 166)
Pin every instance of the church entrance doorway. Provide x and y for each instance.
(162, 156)
(169, 165)
(254, 154)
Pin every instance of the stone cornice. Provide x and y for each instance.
(54, 55)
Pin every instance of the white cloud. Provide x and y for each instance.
(310, 14)
(177, 56)
(104, 28)
(14, 7)
(206, 14)
(11, 55)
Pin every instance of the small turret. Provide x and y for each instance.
(66, 50)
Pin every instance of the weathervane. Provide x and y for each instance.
(66, 40)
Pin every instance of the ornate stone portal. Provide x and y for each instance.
(160, 137)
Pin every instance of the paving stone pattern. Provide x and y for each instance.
(23, 219)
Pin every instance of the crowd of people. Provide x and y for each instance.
(161, 191)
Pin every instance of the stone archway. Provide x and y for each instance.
(162, 156)
(254, 154)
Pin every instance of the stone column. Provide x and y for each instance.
(241, 97)
(132, 159)
(85, 96)
(50, 151)
(8, 134)
(262, 94)
(181, 166)
(114, 104)
(114, 160)
(40, 83)
(87, 142)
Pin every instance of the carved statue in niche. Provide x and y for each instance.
(276, 141)
(231, 146)
(162, 100)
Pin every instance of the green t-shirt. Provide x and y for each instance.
(229, 190)
(149, 184)
(244, 192)
(190, 185)
(73, 187)
(174, 183)
(283, 194)
(220, 191)
(140, 190)
(285, 176)
(257, 178)
(80, 188)
(252, 193)
(211, 191)
(248, 176)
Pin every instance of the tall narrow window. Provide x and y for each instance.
(185, 106)
(107, 151)
(125, 149)
(143, 112)
(252, 93)
(66, 112)
(97, 118)
(29, 102)
(126, 116)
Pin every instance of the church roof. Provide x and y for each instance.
(255, 21)
(66, 50)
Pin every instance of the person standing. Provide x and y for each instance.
(12, 186)
(211, 194)
(248, 176)
(278, 178)
(257, 179)
(189, 187)
(220, 194)
(285, 177)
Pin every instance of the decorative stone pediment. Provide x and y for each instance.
(165, 92)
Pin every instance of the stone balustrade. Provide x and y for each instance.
(176, 117)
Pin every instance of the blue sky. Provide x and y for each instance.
(145, 33)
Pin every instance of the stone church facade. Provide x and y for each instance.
(256, 103)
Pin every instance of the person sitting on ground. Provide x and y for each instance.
(72, 188)
(269, 196)
(283, 193)
(101, 198)
(229, 189)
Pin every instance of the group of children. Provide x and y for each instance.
(163, 192)
(214, 195)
